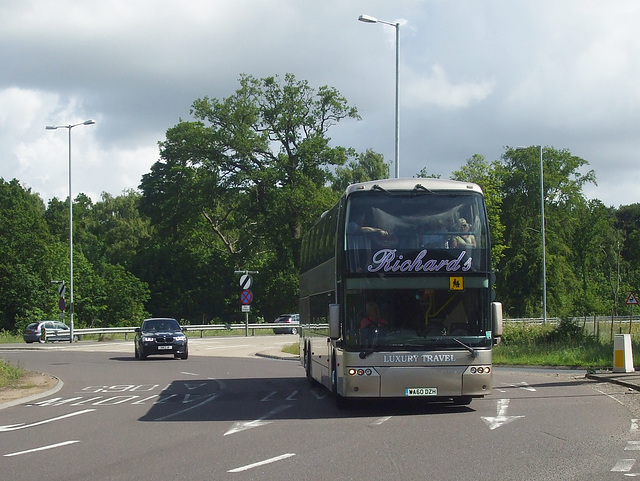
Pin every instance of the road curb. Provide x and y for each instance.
(278, 355)
(34, 397)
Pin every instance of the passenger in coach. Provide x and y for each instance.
(462, 240)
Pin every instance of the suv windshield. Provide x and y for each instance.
(160, 325)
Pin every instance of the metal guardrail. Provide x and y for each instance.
(197, 327)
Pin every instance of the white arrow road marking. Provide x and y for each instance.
(243, 426)
(261, 463)
(501, 418)
(15, 427)
(51, 446)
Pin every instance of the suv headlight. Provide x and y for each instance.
(147, 339)
(180, 338)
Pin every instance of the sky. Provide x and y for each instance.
(475, 77)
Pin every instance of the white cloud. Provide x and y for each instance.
(475, 75)
(438, 90)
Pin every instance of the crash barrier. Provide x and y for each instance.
(622, 353)
(190, 328)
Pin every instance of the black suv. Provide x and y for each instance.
(161, 336)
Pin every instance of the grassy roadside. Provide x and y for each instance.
(9, 374)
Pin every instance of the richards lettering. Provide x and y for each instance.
(386, 260)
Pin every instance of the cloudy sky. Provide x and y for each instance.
(475, 76)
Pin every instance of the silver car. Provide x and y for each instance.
(287, 324)
(44, 331)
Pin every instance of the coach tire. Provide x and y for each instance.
(307, 363)
(462, 400)
(341, 401)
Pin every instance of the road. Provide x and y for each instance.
(226, 414)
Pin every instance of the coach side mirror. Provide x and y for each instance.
(334, 321)
(498, 322)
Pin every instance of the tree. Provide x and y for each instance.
(367, 166)
(489, 177)
(520, 272)
(245, 179)
(27, 253)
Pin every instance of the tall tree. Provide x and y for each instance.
(27, 255)
(367, 166)
(246, 178)
(521, 269)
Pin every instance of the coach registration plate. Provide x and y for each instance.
(421, 391)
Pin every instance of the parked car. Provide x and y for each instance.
(290, 324)
(47, 331)
(161, 336)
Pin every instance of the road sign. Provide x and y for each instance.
(246, 281)
(632, 300)
(62, 304)
(61, 289)
(246, 308)
(246, 297)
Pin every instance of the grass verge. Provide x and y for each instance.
(9, 374)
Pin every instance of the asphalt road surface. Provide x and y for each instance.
(227, 414)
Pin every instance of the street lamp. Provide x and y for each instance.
(544, 249)
(69, 127)
(370, 19)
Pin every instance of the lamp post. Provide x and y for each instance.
(370, 19)
(544, 249)
(69, 127)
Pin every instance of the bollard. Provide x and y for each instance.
(622, 353)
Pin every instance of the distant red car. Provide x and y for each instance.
(290, 324)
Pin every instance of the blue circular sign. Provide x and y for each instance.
(246, 297)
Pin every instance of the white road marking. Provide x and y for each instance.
(15, 427)
(632, 446)
(501, 418)
(269, 396)
(609, 395)
(43, 448)
(379, 421)
(261, 463)
(634, 426)
(243, 426)
(169, 416)
(623, 465)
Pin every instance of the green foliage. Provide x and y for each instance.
(9, 373)
(520, 271)
(236, 188)
(489, 177)
(25, 254)
(563, 345)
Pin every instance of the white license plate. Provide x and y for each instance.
(421, 391)
(165, 347)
